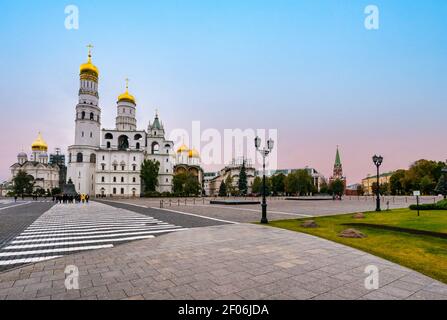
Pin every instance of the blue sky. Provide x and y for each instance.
(307, 68)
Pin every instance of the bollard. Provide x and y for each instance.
(178, 202)
(170, 202)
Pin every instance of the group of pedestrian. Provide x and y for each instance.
(67, 199)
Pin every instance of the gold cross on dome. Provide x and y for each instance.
(127, 83)
(90, 47)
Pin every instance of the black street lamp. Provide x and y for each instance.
(264, 153)
(378, 161)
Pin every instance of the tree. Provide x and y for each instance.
(360, 190)
(178, 182)
(56, 191)
(222, 189)
(299, 182)
(324, 188)
(337, 188)
(427, 185)
(229, 183)
(278, 184)
(149, 175)
(23, 184)
(441, 187)
(192, 185)
(397, 183)
(242, 183)
(256, 187)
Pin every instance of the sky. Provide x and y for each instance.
(309, 69)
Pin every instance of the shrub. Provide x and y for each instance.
(441, 205)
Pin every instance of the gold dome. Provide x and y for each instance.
(89, 66)
(126, 96)
(39, 144)
(193, 153)
(183, 148)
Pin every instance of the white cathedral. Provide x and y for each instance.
(107, 162)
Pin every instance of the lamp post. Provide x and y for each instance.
(378, 161)
(264, 153)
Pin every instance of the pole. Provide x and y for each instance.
(378, 191)
(417, 204)
(264, 201)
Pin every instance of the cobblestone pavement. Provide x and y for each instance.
(70, 228)
(277, 209)
(237, 261)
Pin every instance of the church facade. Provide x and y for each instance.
(45, 174)
(107, 162)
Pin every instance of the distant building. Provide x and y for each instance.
(188, 160)
(212, 184)
(368, 182)
(353, 189)
(46, 175)
(338, 170)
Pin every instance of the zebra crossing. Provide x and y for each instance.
(71, 228)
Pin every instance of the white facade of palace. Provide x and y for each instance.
(46, 176)
(107, 162)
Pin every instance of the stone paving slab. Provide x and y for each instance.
(234, 262)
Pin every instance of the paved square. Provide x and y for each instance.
(233, 261)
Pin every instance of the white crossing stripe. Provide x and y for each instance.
(57, 250)
(66, 229)
(27, 260)
(94, 236)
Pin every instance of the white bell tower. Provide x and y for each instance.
(82, 155)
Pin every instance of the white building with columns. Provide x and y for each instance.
(107, 162)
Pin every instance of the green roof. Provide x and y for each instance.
(337, 158)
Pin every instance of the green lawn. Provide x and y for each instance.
(424, 253)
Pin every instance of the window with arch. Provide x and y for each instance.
(93, 158)
(122, 190)
(69, 158)
(103, 179)
(122, 179)
(134, 179)
(92, 116)
(108, 136)
(103, 167)
(114, 179)
(123, 142)
(109, 145)
(134, 167)
(155, 148)
(138, 146)
(138, 137)
(80, 157)
(114, 190)
(83, 115)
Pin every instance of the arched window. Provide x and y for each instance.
(93, 158)
(114, 190)
(138, 146)
(80, 157)
(103, 179)
(108, 136)
(123, 143)
(155, 148)
(109, 145)
(122, 179)
(69, 158)
(83, 115)
(138, 137)
(114, 179)
(134, 167)
(134, 179)
(92, 116)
